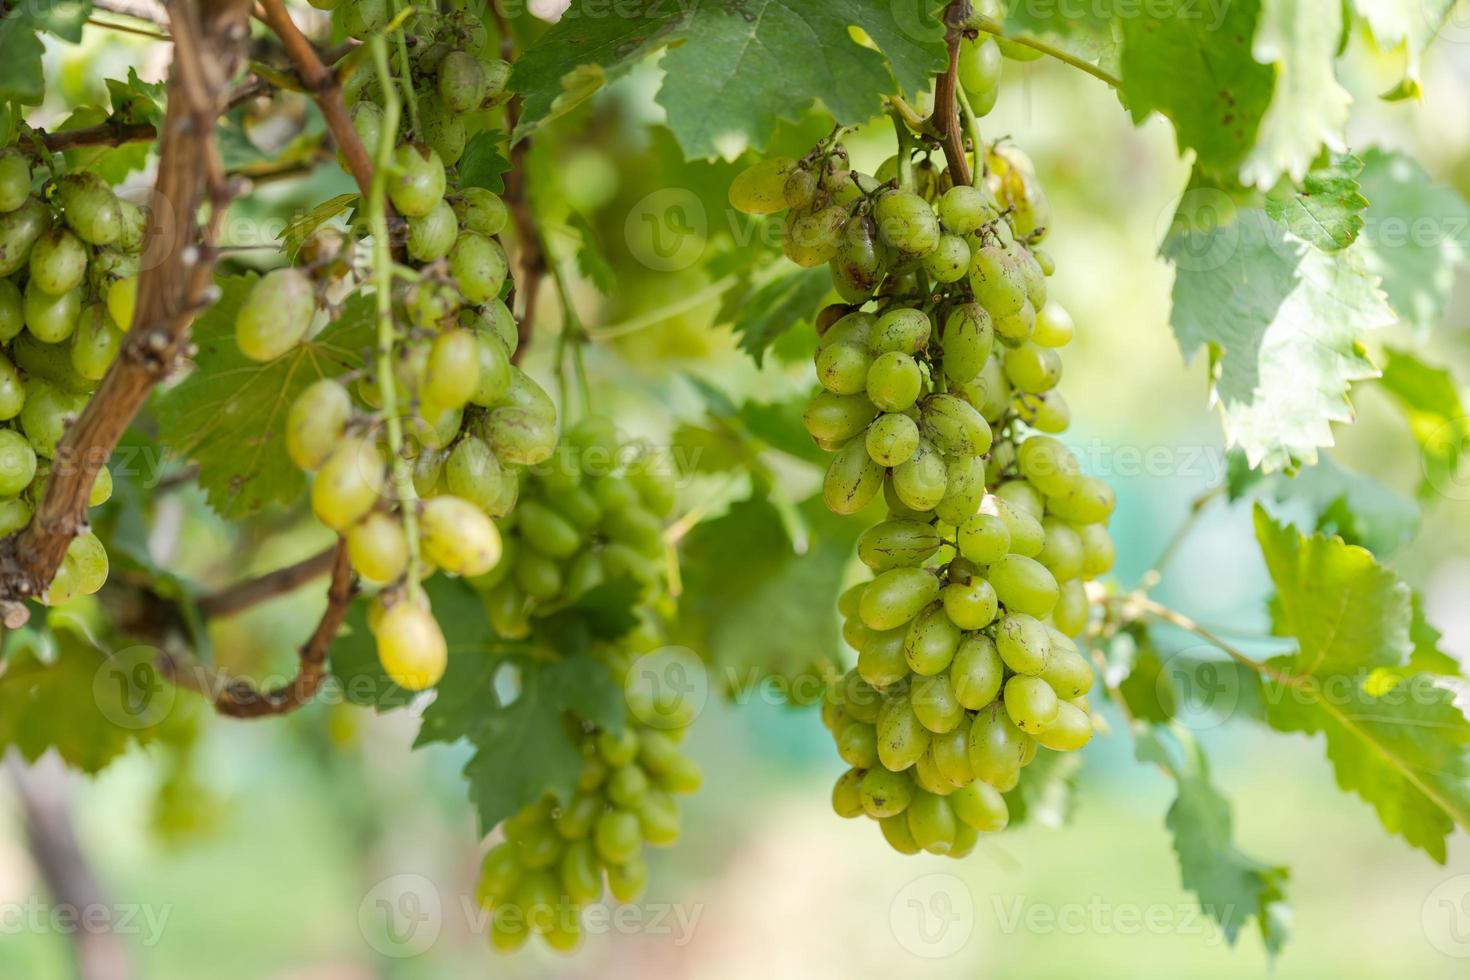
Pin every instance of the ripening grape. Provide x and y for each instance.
(479, 266)
(761, 189)
(458, 537)
(377, 548)
(90, 207)
(418, 181)
(349, 483)
(275, 315)
(411, 646)
(315, 423)
(15, 179)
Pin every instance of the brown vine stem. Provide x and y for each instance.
(210, 38)
(533, 259)
(237, 598)
(946, 117)
(239, 698)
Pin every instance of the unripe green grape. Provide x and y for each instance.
(495, 374)
(896, 832)
(898, 544)
(954, 426)
(12, 311)
(1047, 412)
(964, 489)
(101, 488)
(881, 661)
(348, 484)
(984, 538)
(1067, 671)
(989, 392)
(617, 748)
(658, 817)
(90, 207)
(521, 435)
(997, 747)
(579, 873)
(506, 608)
(65, 584)
(479, 266)
(430, 236)
(906, 223)
(997, 282)
(500, 873)
(547, 531)
(892, 439)
(1032, 368)
(442, 130)
(847, 799)
(51, 318)
(980, 806)
(970, 606)
(17, 463)
(857, 745)
(1088, 501)
(1062, 552)
(417, 183)
(458, 537)
(931, 822)
(837, 418)
(857, 267)
(134, 227)
(461, 81)
(1024, 585)
(46, 414)
(1030, 703)
(582, 508)
(1022, 496)
(627, 881)
(884, 793)
(576, 818)
(1048, 465)
(931, 642)
(275, 315)
(799, 189)
(935, 703)
(315, 423)
(1054, 327)
(411, 646)
(950, 260)
(635, 527)
(367, 120)
(852, 328)
(1072, 609)
(849, 600)
(656, 490)
(980, 65)
(1014, 329)
(1071, 729)
(452, 376)
(901, 331)
(963, 209)
(902, 738)
(897, 596)
(685, 777)
(617, 836)
(852, 480)
(122, 300)
(377, 548)
(921, 482)
(1098, 553)
(537, 575)
(626, 786)
(12, 390)
(977, 671)
(58, 262)
(813, 239)
(967, 341)
(1023, 643)
(843, 368)
(15, 179)
(949, 755)
(497, 71)
(15, 513)
(480, 210)
(19, 230)
(761, 188)
(95, 344)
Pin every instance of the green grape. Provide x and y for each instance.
(15, 179)
(90, 207)
(500, 873)
(479, 266)
(1071, 729)
(892, 439)
(547, 531)
(954, 426)
(761, 188)
(950, 260)
(1024, 585)
(1047, 412)
(658, 817)
(881, 661)
(976, 672)
(275, 315)
(858, 745)
(922, 482)
(857, 267)
(1014, 329)
(896, 832)
(17, 463)
(377, 548)
(46, 414)
(411, 646)
(1030, 703)
(1023, 643)
(860, 699)
(997, 283)
(95, 344)
(636, 528)
(902, 738)
(851, 328)
(981, 807)
(885, 793)
(931, 642)
(900, 331)
(800, 188)
(348, 484)
(950, 754)
(1098, 553)
(537, 575)
(997, 747)
(935, 704)
(984, 538)
(852, 480)
(1067, 671)
(58, 262)
(617, 836)
(367, 120)
(814, 239)
(989, 392)
(843, 368)
(1054, 327)
(964, 489)
(1026, 535)
(430, 236)
(134, 227)
(12, 311)
(582, 508)
(618, 748)
(122, 300)
(51, 318)
(848, 601)
(315, 423)
(932, 823)
(521, 435)
(15, 514)
(967, 342)
(497, 71)
(417, 182)
(461, 81)
(897, 543)
(579, 873)
(1032, 368)
(847, 799)
(19, 230)
(834, 419)
(458, 537)
(627, 786)
(480, 210)
(980, 65)
(442, 129)
(1073, 609)
(101, 488)
(963, 209)
(972, 606)
(1062, 552)
(576, 818)
(906, 223)
(12, 391)
(495, 374)
(1048, 465)
(627, 881)
(1022, 496)
(452, 376)
(656, 490)
(64, 584)
(1088, 501)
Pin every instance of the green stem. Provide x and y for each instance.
(972, 123)
(1152, 576)
(383, 272)
(410, 96)
(573, 334)
(991, 27)
(905, 152)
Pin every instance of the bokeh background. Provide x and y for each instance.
(266, 850)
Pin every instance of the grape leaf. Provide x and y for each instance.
(303, 226)
(1346, 612)
(522, 749)
(764, 312)
(742, 68)
(229, 414)
(1309, 109)
(1195, 66)
(1088, 31)
(1282, 321)
(1327, 210)
(751, 602)
(1411, 23)
(62, 18)
(1406, 753)
(1145, 687)
(21, 77)
(1431, 403)
(483, 164)
(591, 261)
(1355, 506)
(1231, 886)
(1427, 657)
(1418, 234)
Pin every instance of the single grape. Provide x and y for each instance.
(881, 661)
(1062, 552)
(315, 423)
(17, 463)
(1033, 368)
(90, 207)
(51, 318)
(761, 188)
(458, 537)
(892, 439)
(847, 800)
(852, 480)
(885, 793)
(46, 414)
(921, 483)
(997, 747)
(970, 606)
(479, 266)
(1071, 729)
(813, 239)
(417, 183)
(480, 210)
(981, 806)
(90, 556)
(1047, 412)
(931, 642)
(377, 548)
(411, 646)
(452, 376)
(1023, 643)
(1054, 327)
(12, 390)
(935, 704)
(58, 262)
(1098, 553)
(967, 341)
(275, 315)
(95, 344)
(843, 368)
(122, 300)
(15, 179)
(835, 419)
(997, 282)
(461, 81)
(19, 230)
(442, 129)
(430, 236)
(1088, 501)
(898, 544)
(904, 331)
(348, 484)
(906, 223)
(976, 672)
(521, 435)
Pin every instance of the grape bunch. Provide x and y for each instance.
(463, 418)
(579, 526)
(939, 374)
(68, 282)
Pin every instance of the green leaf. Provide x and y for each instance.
(1347, 612)
(740, 69)
(1145, 687)
(303, 226)
(1196, 67)
(753, 604)
(1308, 109)
(1327, 210)
(483, 164)
(1427, 657)
(1353, 505)
(591, 261)
(522, 749)
(779, 425)
(1430, 401)
(1282, 321)
(765, 312)
(229, 414)
(21, 77)
(1404, 753)
(1418, 235)
(63, 18)
(1232, 886)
